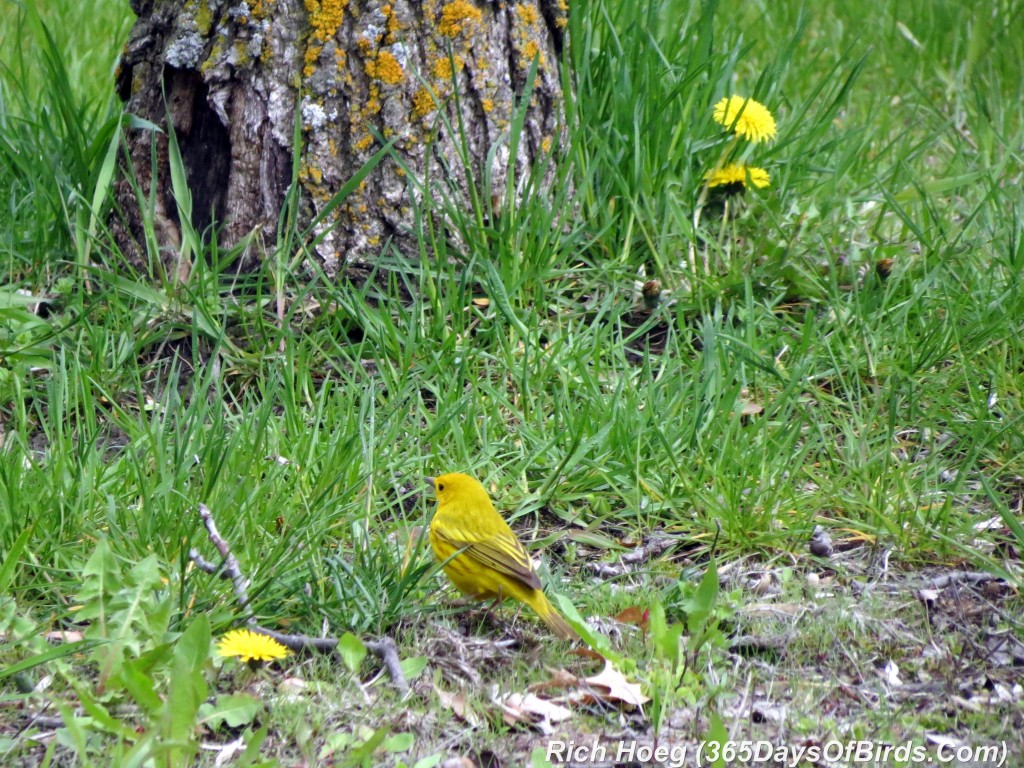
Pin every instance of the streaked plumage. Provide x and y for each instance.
(491, 562)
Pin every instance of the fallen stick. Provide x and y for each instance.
(384, 649)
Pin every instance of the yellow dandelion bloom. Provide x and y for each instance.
(250, 646)
(737, 173)
(748, 118)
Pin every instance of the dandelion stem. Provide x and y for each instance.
(702, 200)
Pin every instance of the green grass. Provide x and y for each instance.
(892, 403)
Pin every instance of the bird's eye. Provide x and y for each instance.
(440, 486)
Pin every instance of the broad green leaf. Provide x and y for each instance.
(135, 678)
(235, 709)
(352, 651)
(413, 667)
(399, 742)
(718, 734)
(699, 607)
(187, 690)
(666, 636)
(595, 640)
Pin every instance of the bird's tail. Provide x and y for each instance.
(542, 606)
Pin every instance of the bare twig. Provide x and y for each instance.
(387, 652)
(47, 722)
(654, 547)
(205, 565)
(761, 644)
(231, 567)
(384, 648)
(960, 577)
(299, 643)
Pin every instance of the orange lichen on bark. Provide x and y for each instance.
(442, 68)
(422, 102)
(527, 14)
(325, 16)
(309, 173)
(385, 67)
(530, 50)
(563, 18)
(487, 104)
(456, 16)
(390, 23)
(563, 7)
(527, 31)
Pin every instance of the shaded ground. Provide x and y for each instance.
(856, 652)
(852, 651)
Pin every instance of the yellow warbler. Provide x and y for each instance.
(489, 561)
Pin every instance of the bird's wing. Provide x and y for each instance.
(502, 552)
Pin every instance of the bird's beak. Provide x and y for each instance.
(431, 490)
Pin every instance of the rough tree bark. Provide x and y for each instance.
(229, 77)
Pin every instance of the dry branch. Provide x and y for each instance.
(384, 649)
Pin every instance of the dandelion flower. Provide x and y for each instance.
(738, 174)
(748, 118)
(250, 646)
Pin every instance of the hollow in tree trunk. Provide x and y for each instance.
(229, 77)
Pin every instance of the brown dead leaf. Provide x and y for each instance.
(560, 678)
(529, 709)
(635, 614)
(456, 702)
(612, 687)
(750, 408)
(586, 653)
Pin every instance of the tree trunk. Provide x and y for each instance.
(228, 77)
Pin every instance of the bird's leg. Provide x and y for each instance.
(487, 603)
(498, 600)
(491, 609)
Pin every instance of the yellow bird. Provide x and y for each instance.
(489, 561)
